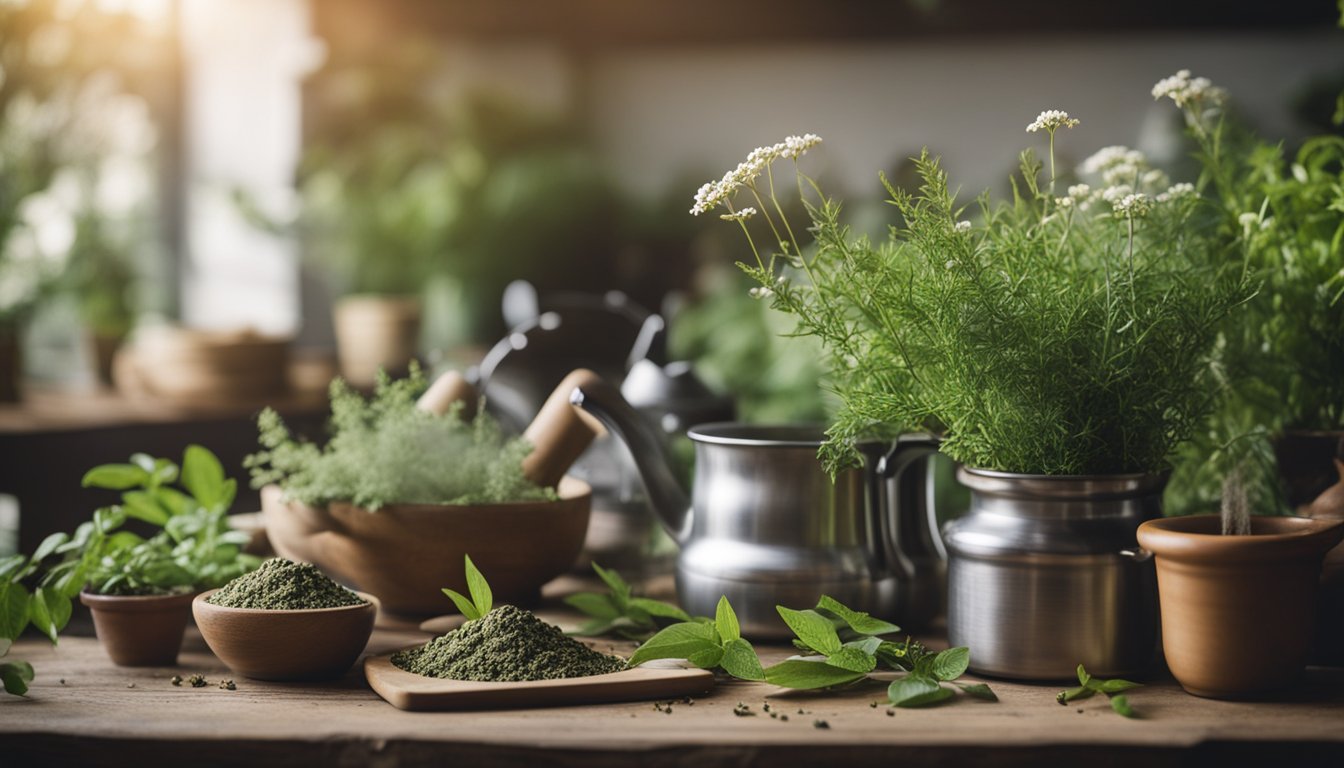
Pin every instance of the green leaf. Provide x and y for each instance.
(13, 609)
(950, 664)
(1083, 677)
(852, 659)
(49, 545)
(49, 611)
(707, 657)
(679, 641)
(142, 505)
(11, 565)
(1121, 705)
(463, 604)
(1074, 694)
(5, 643)
(479, 588)
(70, 581)
(812, 628)
(659, 608)
(858, 621)
(1115, 686)
(978, 690)
(108, 519)
(725, 620)
(595, 605)
(917, 691)
(740, 660)
(174, 501)
(203, 476)
(808, 675)
(618, 586)
(115, 477)
(16, 675)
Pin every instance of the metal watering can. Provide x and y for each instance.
(765, 525)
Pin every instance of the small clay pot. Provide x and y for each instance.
(1237, 611)
(312, 644)
(140, 631)
(375, 332)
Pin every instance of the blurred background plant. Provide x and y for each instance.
(76, 174)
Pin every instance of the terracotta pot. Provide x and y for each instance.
(373, 333)
(406, 553)
(312, 644)
(140, 631)
(1237, 611)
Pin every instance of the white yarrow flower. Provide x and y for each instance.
(714, 193)
(1116, 193)
(795, 147)
(1052, 120)
(1186, 90)
(741, 215)
(1132, 206)
(1109, 157)
(1079, 191)
(962, 226)
(1176, 192)
(760, 292)
(1064, 202)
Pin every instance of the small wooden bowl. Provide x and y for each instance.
(406, 553)
(311, 644)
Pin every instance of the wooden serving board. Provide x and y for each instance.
(417, 693)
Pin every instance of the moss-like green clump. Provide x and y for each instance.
(284, 585)
(506, 645)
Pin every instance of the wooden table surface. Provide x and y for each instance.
(82, 709)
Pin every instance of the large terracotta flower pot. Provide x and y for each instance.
(373, 333)
(1237, 611)
(140, 631)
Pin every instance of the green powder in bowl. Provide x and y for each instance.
(284, 585)
(506, 645)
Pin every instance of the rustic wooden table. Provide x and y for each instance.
(83, 710)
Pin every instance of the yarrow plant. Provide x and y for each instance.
(1057, 335)
(1283, 358)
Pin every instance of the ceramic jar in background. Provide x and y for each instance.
(1237, 611)
(1044, 575)
(375, 333)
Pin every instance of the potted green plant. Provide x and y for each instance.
(139, 589)
(1059, 345)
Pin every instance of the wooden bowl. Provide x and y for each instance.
(406, 553)
(188, 365)
(312, 644)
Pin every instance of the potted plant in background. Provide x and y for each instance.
(1060, 347)
(102, 277)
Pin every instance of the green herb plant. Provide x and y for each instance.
(481, 600)
(384, 450)
(1067, 332)
(844, 647)
(1089, 686)
(708, 645)
(194, 548)
(620, 612)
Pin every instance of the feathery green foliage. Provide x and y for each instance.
(1061, 335)
(384, 450)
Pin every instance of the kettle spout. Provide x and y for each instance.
(666, 496)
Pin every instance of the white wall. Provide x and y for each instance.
(660, 113)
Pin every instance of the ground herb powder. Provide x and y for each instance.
(506, 645)
(284, 585)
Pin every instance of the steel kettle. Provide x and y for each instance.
(765, 524)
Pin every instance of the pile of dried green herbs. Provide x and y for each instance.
(507, 644)
(284, 585)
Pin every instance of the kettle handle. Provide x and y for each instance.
(905, 451)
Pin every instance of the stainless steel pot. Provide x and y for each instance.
(1044, 573)
(765, 525)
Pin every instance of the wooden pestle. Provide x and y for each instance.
(560, 432)
(449, 388)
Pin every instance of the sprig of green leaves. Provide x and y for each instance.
(709, 645)
(481, 600)
(1089, 686)
(846, 647)
(620, 612)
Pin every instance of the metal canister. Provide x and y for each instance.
(1045, 573)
